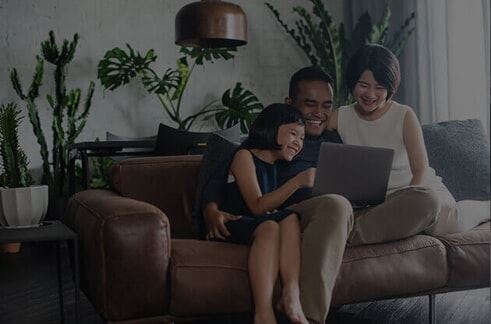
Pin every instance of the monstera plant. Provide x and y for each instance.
(325, 44)
(118, 67)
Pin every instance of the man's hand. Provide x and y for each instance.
(215, 222)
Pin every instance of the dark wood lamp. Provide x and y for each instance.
(211, 23)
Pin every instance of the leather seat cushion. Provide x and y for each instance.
(468, 257)
(398, 268)
(208, 278)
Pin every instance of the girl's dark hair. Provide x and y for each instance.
(378, 59)
(264, 130)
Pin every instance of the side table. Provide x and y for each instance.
(53, 231)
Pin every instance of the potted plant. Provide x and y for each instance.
(69, 115)
(21, 204)
(238, 105)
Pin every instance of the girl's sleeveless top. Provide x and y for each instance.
(267, 180)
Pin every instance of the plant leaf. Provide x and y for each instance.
(118, 67)
(238, 106)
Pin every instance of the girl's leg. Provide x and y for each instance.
(290, 241)
(263, 269)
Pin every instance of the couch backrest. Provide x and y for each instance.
(167, 182)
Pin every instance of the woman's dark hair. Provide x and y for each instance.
(264, 130)
(378, 59)
(309, 73)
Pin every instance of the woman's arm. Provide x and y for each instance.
(244, 171)
(415, 147)
(332, 122)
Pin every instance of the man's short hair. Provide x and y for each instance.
(309, 73)
(380, 61)
(264, 130)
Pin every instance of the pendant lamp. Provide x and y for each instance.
(211, 23)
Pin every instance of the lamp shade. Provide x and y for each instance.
(211, 23)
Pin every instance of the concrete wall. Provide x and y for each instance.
(264, 65)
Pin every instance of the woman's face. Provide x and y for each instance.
(290, 137)
(369, 94)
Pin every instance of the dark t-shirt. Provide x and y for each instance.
(213, 191)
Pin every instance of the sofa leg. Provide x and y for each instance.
(431, 309)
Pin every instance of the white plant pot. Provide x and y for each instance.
(23, 207)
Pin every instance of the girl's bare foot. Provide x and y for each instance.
(266, 317)
(291, 306)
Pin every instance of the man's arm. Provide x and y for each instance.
(212, 195)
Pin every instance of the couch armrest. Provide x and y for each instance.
(167, 182)
(124, 253)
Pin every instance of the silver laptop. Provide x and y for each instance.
(359, 173)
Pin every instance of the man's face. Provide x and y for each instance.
(314, 101)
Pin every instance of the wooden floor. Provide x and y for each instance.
(28, 294)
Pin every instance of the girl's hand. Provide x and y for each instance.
(306, 178)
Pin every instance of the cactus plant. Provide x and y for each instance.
(324, 42)
(68, 122)
(14, 161)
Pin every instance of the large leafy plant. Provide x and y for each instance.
(14, 161)
(325, 44)
(118, 67)
(238, 106)
(68, 115)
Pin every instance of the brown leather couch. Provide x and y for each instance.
(141, 263)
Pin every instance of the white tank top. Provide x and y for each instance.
(385, 132)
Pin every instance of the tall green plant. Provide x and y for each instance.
(68, 120)
(239, 106)
(14, 161)
(118, 67)
(325, 44)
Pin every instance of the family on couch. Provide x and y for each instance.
(262, 197)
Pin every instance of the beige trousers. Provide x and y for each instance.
(329, 224)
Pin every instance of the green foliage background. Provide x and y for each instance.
(326, 45)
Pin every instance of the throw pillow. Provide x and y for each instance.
(459, 153)
(172, 141)
(216, 158)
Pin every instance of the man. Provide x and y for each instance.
(327, 221)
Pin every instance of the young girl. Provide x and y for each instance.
(373, 76)
(276, 134)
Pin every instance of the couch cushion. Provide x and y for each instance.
(172, 141)
(212, 277)
(209, 278)
(458, 150)
(468, 257)
(398, 268)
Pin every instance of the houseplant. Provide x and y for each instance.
(68, 120)
(325, 44)
(21, 204)
(118, 67)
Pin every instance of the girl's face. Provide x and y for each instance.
(369, 94)
(290, 137)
